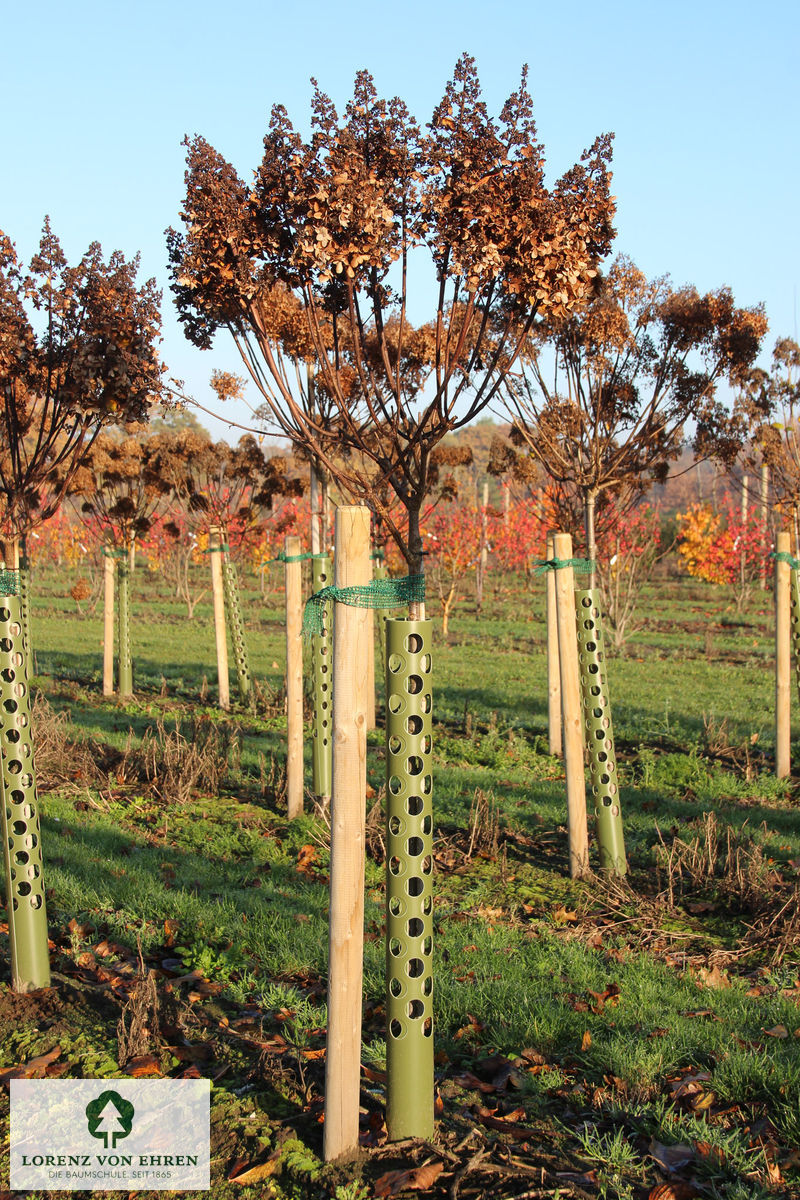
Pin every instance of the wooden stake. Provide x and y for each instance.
(553, 668)
(215, 546)
(109, 564)
(571, 710)
(783, 764)
(348, 800)
(294, 677)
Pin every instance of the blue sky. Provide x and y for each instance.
(700, 96)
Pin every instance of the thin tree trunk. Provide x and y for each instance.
(416, 609)
(591, 546)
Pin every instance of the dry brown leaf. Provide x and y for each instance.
(586, 1040)
(777, 1031)
(405, 1181)
(258, 1172)
(673, 1191)
(671, 1158)
(143, 1066)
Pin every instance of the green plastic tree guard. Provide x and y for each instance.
(321, 744)
(125, 670)
(233, 609)
(409, 887)
(794, 594)
(19, 817)
(599, 733)
(25, 600)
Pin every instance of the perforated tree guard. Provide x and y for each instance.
(322, 744)
(409, 888)
(794, 594)
(19, 818)
(25, 601)
(233, 609)
(599, 733)
(125, 668)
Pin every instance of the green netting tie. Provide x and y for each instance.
(581, 566)
(108, 552)
(381, 593)
(9, 583)
(222, 548)
(784, 556)
(290, 558)
(379, 554)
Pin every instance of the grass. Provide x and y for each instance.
(616, 1024)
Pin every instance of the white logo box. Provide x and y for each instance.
(110, 1134)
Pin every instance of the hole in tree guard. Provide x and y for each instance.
(414, 684)
(395, 663)
(416, 1009)
(415, 967)
(395, 1028)
(394, 865)
(414, 886)
(395, 826)
(415, 846)
(395, 946)
(427, 986)
(427, 1028)
(414, 765)
(395, 987)
(414, 724)
(414, 643)
(415, 925)
(414, 805)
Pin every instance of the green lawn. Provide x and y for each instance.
(589, 1037)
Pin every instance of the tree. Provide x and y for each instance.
(630, 548)
(777, 443)
(453, 534)
(633, 364)
(119, 486)
(725, 548)
(77, 353)
(312, 263)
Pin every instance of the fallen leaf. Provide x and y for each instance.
(712, 977)
(586, 1040)
(562, 916)
(405, 1181)
(256, 1173)
(673, 1191)
(144, 1065)
(671, 1158)
(777, 1031)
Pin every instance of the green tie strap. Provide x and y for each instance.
(381, 593)
(581, 566)
(784, 557)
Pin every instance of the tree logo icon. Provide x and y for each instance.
(109, 1117)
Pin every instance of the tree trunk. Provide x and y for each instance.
(591, 546)
(416, 609)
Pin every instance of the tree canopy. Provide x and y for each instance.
(310, 263)
(78, 352)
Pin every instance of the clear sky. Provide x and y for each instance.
(702, 97)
